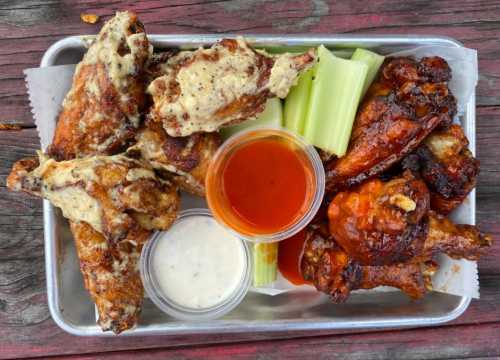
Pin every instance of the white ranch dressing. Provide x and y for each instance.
(197, 263)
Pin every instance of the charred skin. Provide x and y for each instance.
(407, 101)
(381, 223)
(332, 271)
(447, 166)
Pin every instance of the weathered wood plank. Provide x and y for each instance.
(435, 343)
(28, 28)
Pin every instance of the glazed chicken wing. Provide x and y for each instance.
(185, 159)
(332, 271)
(206, 89)
(407, 101)
(113, 203)
(101, 111)
(389, 223)
(447, 166)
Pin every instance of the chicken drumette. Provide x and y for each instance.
(384, 234)
(408, 100)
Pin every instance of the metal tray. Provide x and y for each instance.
(71, 306)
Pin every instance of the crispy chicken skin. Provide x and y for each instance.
(101, 111)
(186, 159)
(113, 203)
(407, 101)
(447, 166)
(389, 223)
(332, 271)
(110, 273)
(228, 83)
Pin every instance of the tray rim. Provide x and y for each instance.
(235, 326)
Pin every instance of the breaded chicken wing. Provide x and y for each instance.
(230, 82)
(102, 109)
(408, 100)
(185, 159)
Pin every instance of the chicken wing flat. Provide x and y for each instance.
(113, 203)
(389, 223)
(332, 271)
(110, 273)
(102, 109)
(408, 100)
(228, 83)
(447, 166)
(113, 194)
(185, 158)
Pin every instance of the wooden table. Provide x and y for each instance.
(28, 27)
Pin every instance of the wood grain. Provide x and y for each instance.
(28, 27)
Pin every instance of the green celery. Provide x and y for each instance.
(271, 116)
(297, 102)
(373, 60)
(335, 94)
(265, 261)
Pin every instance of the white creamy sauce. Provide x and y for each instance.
(197, 263)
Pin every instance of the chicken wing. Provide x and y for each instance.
(407, 101)
(230, 82)
(332, 271)
(102, 109)
(186, 159)
(447, 166)
(389, 223)
(113, 203)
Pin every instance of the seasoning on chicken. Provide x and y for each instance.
(102, 109)
(230, 82)
(332, 271)
(388, 223)
(113, 203)
(408, 100)
(447, 166)
(185, 159)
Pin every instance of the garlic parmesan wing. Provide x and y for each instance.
(228, 83)
(101, 110)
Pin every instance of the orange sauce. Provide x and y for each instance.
(262, 187)
(289, 257)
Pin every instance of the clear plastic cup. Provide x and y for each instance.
(180, 311)
(214, 183)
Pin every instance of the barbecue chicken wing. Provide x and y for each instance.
(230, 82)
(389, 223)
(447, 166)
(407, 101)
(113, 203)
(332, 271)
(101, 111)
(185, 159)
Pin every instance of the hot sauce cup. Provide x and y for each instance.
(265, 184)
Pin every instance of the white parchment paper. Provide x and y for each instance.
(47, 87)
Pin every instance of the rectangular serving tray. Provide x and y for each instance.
(72, 309)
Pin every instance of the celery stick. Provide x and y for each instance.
(265, 261)
(271, 116)
(373, 60)
(296, 103)
(335, 95)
